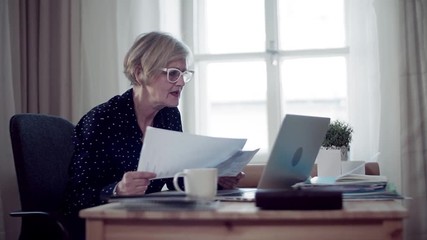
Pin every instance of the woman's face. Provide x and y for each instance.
(161, 92)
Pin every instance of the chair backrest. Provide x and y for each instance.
(42, 151)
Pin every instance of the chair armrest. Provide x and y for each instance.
(52, 218)
(29, 214)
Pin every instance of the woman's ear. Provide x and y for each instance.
(138, 75)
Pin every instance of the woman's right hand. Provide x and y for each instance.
(134, 183)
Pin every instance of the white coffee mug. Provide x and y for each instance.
(200, 183)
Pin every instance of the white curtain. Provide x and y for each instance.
(364, 82)
(387, 16)
(374, 84)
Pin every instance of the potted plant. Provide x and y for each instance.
(338, 136)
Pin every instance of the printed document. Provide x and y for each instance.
(167, 152)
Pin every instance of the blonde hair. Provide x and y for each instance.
(152, 51)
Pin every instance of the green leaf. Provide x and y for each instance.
(338, 135)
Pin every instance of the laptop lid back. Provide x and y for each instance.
(294, 151)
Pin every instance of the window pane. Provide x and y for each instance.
(237, 101)
(311, 24)
(315, 86)
(233, 93)
(232, 26)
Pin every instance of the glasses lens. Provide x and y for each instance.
(173, 75)
(187, 76)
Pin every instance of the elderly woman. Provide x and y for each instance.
(109, 138)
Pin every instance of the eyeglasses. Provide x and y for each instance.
(173, 74)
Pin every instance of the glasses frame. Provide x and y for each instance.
(187, 75)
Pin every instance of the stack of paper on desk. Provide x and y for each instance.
(361, 178)
(355, 186)
(350, 179)
(168, 152)
(148, 202)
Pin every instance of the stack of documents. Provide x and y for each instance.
(355, 186)
(157, 203)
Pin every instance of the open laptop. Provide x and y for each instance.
(291, 159)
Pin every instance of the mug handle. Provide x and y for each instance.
(175, 181)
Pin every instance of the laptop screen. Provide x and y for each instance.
(294, 151)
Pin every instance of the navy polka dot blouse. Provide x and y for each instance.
(107, 143)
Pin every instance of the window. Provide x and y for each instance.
(258, 60)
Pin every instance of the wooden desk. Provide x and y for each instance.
(358, 220)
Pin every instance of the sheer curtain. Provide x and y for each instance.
(387, 21)
(364, 82)
(374, 86)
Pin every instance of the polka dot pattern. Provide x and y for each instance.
(107, 143)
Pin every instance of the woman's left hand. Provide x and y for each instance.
(230, 182)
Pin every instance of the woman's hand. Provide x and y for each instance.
(230, 182)
(134, 183)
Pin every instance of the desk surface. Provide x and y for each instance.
(247, 210)
(232, 220)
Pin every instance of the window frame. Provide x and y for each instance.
(194, 105)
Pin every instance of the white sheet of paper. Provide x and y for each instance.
(235, 164)
(352, 167)
(167, 152)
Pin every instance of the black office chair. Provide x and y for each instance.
(42, 151)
